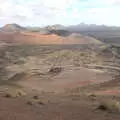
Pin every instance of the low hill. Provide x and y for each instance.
(12, 28)
(37, 38)
(80, 39)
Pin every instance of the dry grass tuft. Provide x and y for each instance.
(20, 93)
(91, 95)
(35, 101)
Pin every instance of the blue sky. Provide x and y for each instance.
(66, 12)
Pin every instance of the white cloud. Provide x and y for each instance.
(43, 12)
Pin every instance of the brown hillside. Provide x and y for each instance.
(37, 38)
(12, 28)
(29, 38)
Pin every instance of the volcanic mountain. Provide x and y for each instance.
(12, 28)
(13, 33)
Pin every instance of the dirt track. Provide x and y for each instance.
(68, 79)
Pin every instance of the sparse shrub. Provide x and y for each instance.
(55, 70)
(8, 95)
(35, 101)
(110, 105)
(30, 103)
(92, 96)
(36, 97)
(103, 107)
(40, 103)
(20, 93)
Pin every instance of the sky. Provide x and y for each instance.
(65, 12)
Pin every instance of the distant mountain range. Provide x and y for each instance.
(91, 27)
(83, 27)
(73, 28)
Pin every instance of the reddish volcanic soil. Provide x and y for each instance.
(108, 92)
(58, 108)
(29, 38)
(37, 38)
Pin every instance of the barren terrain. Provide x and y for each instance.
(59, 82)
(57, 76)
